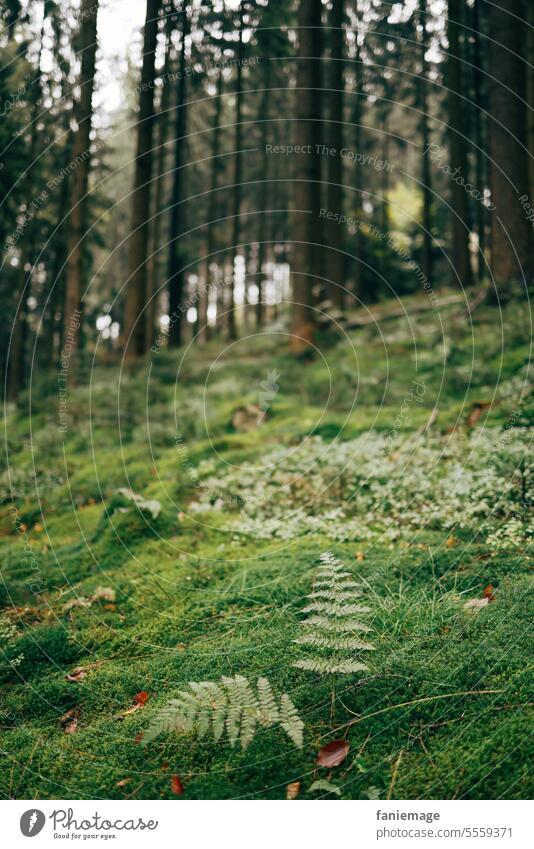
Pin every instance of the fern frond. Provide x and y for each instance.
(231, 705)
(337, 626)
(269, 713)
(335, 594)
(329, 629)
(321, 642)
(290, 721)
(329, 667)
(334, 609)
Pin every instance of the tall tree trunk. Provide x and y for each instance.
(264, 193)
(238, 175)
(426, 178)
(510, 228)
(163, 127)
(176, 270)
(336, 259)
(214, 205)
(307, 225)
(384, 188)
(78, 220)
(480, 140)
(530, 99)
(135, 337)
(357, 115)
(458, 148)
(17, 364)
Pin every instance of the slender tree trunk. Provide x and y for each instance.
(480, 159)
(384, 207)
(511, 230)
(307, 225)
(426, 177)
(458, 149)
(357, 115)
(336, 259)
(163, 128)
(530, 99)
(135, 337)
(238, 177)
(214, 206)
(176, 271)
(264, 193)
(17, 364)
(78, 220)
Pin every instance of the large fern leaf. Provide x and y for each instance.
(329, 630)
(231, 706)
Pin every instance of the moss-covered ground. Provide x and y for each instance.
(445, 710)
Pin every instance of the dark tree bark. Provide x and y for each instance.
(458, 129)
(510, 229)
(357, 116)
(238, 176)
(135, 337)
(480, 141)
(264, 193)
(336, 259)
(78, 220)
(17, 362)
(307, 224)
(426, 177)
(530, 98)
(163, 132)
(214, 206)
(176, 271)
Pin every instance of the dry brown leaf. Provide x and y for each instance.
(333, 753)
(292, 790)
(123, 782)
(360, 555)
(76, 675)
(478, 408)
(69, 721)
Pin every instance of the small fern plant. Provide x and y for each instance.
(331, 632)
(231, 706)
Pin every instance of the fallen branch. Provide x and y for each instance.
(405, 312)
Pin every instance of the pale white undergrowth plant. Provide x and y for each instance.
(369, 487)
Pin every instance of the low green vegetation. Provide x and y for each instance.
(173, 533)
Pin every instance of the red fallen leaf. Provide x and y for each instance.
(138, 737)
(333, 753)
(141, 698)
(488, 593)
(176, 785)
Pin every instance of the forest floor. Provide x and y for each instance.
(109, 605)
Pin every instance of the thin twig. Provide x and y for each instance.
(394, 776)
(406, 704)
